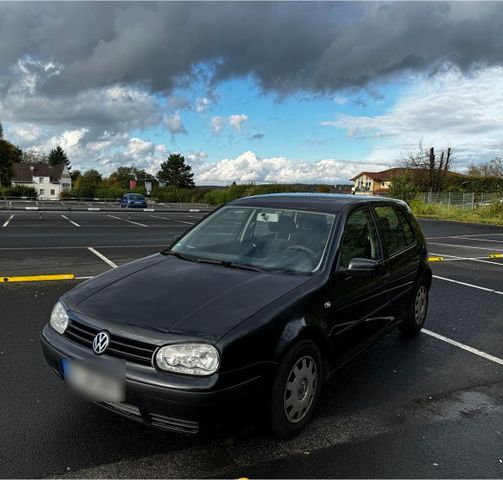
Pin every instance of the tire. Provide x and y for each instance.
(296, 389)
(418, 309)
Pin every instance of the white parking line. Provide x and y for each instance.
(485, 355)
(8, 221)
(129, 221)
(478, 287)
(475, 239)
(468, 235)
(100, 255)
(171, 219)
(71, 221)
(462, 246)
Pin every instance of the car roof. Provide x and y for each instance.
(322, 202)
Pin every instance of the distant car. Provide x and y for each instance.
(254, 306)
(133, 200)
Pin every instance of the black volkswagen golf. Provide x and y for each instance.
(255, 306)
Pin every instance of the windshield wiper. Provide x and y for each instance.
(227, 264)
(181, 256)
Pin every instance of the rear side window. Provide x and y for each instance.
(407, 229)
(392, 229)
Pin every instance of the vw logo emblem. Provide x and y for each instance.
(100, 342)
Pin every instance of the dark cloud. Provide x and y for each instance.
(287, 47)
(257, 136)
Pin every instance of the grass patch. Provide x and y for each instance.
(491, 214)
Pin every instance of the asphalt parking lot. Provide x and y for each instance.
(431, 407)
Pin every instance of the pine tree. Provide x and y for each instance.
(59, 157)
(176, 173)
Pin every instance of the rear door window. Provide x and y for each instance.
(391, 228)
(410, 239)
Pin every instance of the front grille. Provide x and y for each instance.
(120, 347)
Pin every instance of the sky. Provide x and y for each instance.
(253, 92)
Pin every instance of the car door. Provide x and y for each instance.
(357, 302)
(402, 255)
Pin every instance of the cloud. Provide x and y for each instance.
(257, 136)
(248, 167)
(233, 121)
(174, 123)
(202, 104)
(287, 47)
(464, 113)
(236, 121)
(217, 124)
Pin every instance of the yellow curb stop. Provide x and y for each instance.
(435, 259)
(38, 278)
(496, 255)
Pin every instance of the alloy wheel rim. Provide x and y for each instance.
(300, 389)
(420, 304)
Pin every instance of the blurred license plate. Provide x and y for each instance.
(98, 384)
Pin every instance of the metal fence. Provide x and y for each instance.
(460, 199)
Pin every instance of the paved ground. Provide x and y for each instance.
(405, 408)
(14, 205)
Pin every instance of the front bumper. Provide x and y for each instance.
(170, 401)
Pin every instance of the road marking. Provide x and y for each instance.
(468, 235)
(474, 259)
(8, 221)
(84, 278)
(93, 209)
(38, 278)
(461, 246)
(100, 255)
(31, 208)
(63, 247)
(171, 219)
(478, 287)
(129, 221)
(71, 221)
(472, 239)
(485, 355)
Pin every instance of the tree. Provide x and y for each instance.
(33, 156)
(1, 131)
(75, 175)
(493, 168)
(404, 187)
(57, 156)
(87, 183)
(9, 154)
(433, 169)
(175, 172)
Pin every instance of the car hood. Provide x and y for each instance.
(171, 295)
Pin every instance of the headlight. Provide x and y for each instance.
(189, 358)
(59, 318)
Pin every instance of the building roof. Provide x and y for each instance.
(321, 202)
(384, 175)
(24, 172)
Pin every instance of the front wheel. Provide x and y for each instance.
(418, 309)
(296, 389)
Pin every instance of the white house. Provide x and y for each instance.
(48, 181)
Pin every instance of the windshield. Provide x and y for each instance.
(266, 238)
(136, 197)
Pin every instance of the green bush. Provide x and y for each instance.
(20, 191)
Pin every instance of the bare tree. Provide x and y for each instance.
(493, 168)
(431, 169)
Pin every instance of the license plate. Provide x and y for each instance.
(95, 382)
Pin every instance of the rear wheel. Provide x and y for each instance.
(418, 309)
(296, 389)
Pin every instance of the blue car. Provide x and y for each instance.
(133, 200)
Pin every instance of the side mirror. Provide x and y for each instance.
(363, 267)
